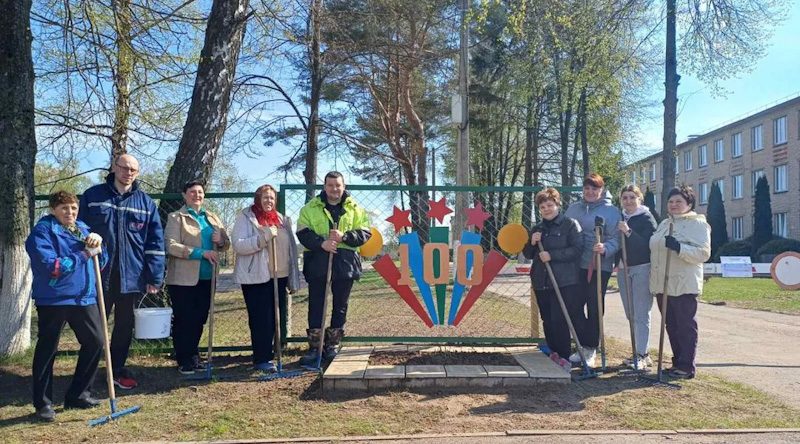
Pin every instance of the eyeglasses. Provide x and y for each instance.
(128, 169)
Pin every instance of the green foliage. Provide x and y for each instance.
(778, 246)
(762, 231)
(716, 219)
(48, 178)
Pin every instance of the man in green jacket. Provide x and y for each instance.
(330, 224)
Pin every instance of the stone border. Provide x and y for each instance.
(350, 370)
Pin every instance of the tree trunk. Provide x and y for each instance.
(670, 109)
(208, 112)
(18, 145)
(122, 77)
(312, 147)
(582, 130)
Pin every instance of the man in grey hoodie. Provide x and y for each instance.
(595, 207)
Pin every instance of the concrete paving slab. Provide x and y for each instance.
(385, 372)
(425, 371)
(465, 371)
(345, 370)
(505, 371)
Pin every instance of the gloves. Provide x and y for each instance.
(93, 239)
(93, 251)
(672, 243)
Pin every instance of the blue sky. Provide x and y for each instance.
(776, 78)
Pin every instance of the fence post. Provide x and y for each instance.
(534, 315)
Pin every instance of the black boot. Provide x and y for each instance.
(311, 358)
(333, 336)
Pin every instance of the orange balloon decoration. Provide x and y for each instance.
(373, 245)
(512, 238)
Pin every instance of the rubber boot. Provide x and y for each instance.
(311, 358)
(333, 336)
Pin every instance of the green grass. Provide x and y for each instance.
(757, 294)
(173, 409)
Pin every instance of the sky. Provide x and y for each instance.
(775, 79)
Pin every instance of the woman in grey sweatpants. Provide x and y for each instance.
(637, 225)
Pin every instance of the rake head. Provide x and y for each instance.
(283, 375)
(114, 414)
(659, 382)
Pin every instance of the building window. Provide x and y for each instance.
(702, 156)
(703, 193)
(779, 130)
(738, 187)
(756, 138)
(719, 150)
(653, 172)
(779, 226)
(736, 145)
(721, 184)
(781, 181)
(687, 160)
(754, 177)
(633, 177)
(737, 228)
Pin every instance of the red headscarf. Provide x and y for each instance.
(265, 218)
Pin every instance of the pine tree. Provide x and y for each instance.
(650, 202)
(716, 219)
(762, 218)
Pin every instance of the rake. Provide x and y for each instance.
(329, 277)
(629, 298)
(112, 398)
(279, 374)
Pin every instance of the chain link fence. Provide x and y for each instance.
(498, 309)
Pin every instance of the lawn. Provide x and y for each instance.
(173, 409)
(753, 293)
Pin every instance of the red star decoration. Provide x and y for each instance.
(438, 209)
(399, 219)
(477, 216)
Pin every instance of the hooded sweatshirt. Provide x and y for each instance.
(637, 245)
(585, 214)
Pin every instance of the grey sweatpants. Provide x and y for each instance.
(642, 303)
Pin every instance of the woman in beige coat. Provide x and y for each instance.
(689, 247)
(193, 237)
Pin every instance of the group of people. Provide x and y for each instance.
(569, 242)
(118, 223)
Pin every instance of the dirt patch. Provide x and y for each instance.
(440, 358)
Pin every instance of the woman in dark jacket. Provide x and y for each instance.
(637, 225)
(61, 249)
(562, 241)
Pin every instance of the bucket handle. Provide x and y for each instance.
(144, 295)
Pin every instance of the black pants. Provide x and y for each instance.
(556, 331)
(341, 294)
(190, 306)
(122, 305)
(682, 330)
(85, 322)
(590, 334)
(260, 301)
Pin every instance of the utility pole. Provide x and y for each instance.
(462, 149)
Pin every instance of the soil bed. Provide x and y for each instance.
(440, 358)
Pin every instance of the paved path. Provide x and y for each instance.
(758, 348)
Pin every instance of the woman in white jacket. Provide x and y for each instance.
(253, 233)
(690, 247)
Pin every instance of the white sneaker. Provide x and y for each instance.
(643, 362)
(589, 353)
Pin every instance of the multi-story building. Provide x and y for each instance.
(734, 156)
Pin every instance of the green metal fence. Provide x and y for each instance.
(376, 313)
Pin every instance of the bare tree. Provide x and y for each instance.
(18, 145)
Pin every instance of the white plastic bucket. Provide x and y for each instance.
(152, 323)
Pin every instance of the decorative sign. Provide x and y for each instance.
(427, 266)
(785, 270)
(736, 266)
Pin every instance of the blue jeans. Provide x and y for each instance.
(642, 301)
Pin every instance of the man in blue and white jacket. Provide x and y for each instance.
(127, 219)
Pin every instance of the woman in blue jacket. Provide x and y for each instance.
(61, 250)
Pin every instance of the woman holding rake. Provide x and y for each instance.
(562, 241)
(637, 226)
(685, 236)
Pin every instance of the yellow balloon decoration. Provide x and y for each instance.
(373, 245)
(512, 238)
